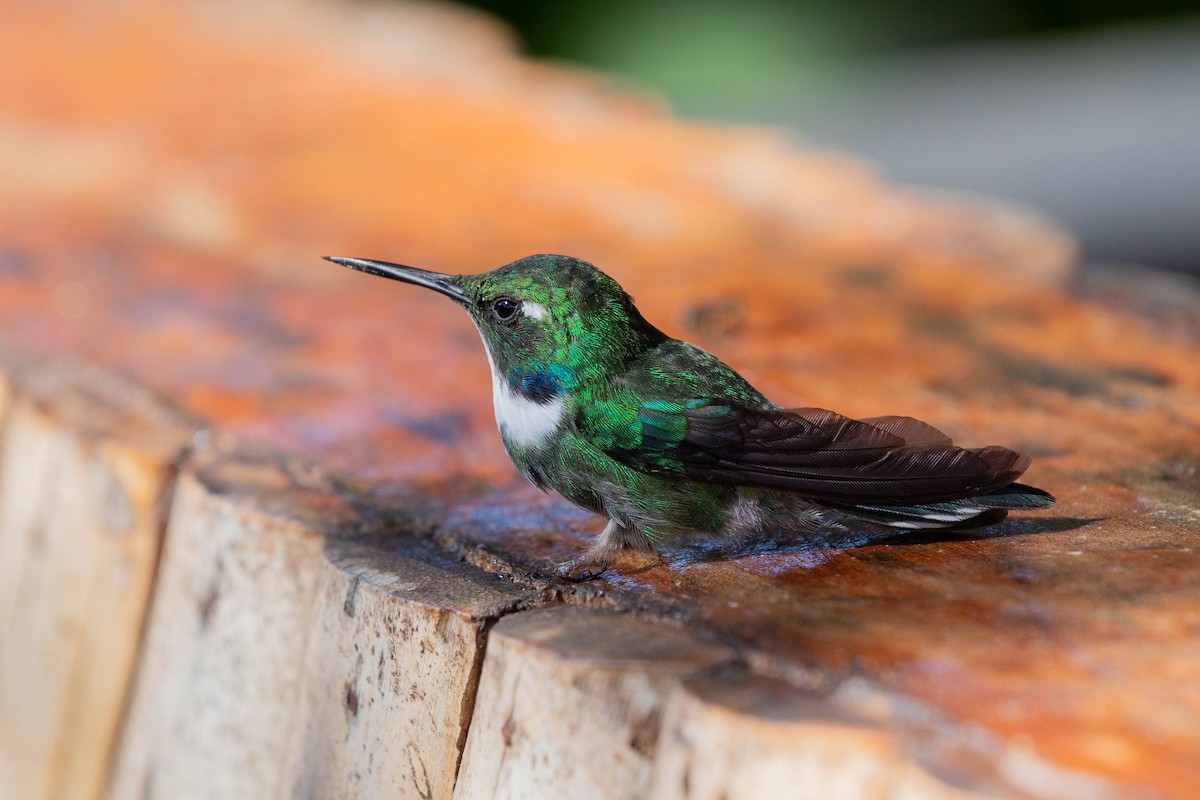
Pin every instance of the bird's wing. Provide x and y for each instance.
(809, 451)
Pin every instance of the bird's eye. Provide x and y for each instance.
(506, 309)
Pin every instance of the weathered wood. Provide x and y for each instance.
(570, 704)
(86, 465)
(146, 229)
(741, 737)
(392, 665)
(217, 689)
(713, 749)
(280, 663)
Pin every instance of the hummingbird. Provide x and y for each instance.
(665, 440)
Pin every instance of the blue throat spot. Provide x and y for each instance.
(540, 386)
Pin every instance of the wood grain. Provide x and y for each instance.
(280, 662)
(740, 737)
(86, 465)
(172, 177)
(393, 661)
(570, 704)
(219, 681)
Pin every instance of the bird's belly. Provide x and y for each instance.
(657, 505)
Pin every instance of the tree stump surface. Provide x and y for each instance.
(342, 536)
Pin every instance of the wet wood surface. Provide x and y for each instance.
(305, 436)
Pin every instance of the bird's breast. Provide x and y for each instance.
(523, 420)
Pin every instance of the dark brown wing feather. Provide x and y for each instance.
(825, 455)
(912, 431)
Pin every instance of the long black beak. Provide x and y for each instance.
(446, 284)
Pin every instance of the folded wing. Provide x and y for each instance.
(814, 453)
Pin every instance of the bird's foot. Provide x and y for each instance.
(614, 539)
(584, 568)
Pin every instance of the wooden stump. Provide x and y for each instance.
(218, 687)
(742, 737)
(392, 668)
(280, 663)
(86, 469)
(171, 176)
(570, 704)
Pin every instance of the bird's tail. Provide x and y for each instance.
(968, 512)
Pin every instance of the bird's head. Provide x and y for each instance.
(550, 323)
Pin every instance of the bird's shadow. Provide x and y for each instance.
(717, 550)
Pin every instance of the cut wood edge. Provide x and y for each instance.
(285, 659)
(739, 736)
(217, 684)
(569, 703)
(393, 659)
(87, 463)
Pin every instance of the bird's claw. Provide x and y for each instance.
(581, 569)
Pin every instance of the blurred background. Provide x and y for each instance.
(1089, 111)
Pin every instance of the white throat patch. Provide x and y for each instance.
(523, 422)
